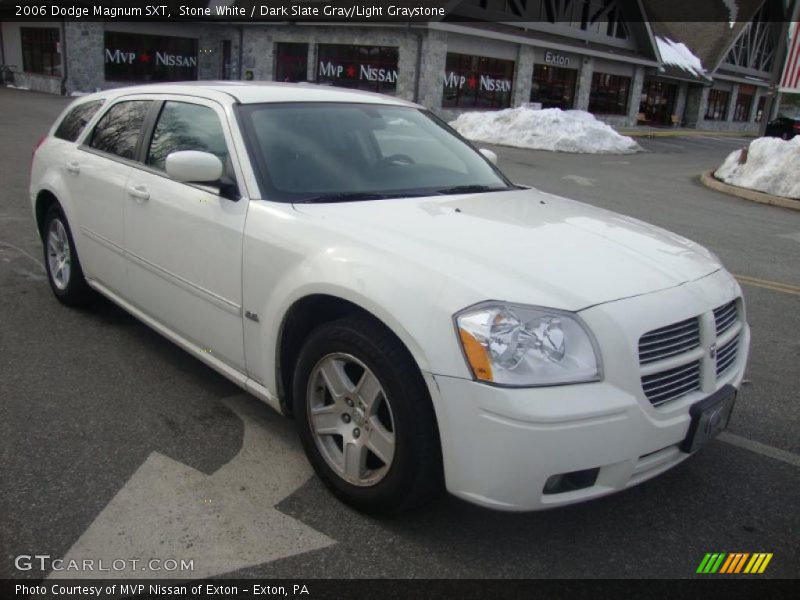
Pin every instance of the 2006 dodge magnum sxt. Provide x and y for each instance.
(355, 263)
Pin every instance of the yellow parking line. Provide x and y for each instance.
(777, 286)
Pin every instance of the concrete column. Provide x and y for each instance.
(523, 76)
(680, 101)
(257, 53)
(209, 52)
(408, 51)
(696, 101)
(85, 61)
(431, 70)
(732, 103)
(635, 95)
(584, 83)
(751, 118)
(311, 69)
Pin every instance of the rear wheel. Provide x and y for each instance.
(61, 260)
(365, 417)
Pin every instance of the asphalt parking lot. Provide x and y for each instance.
(115, 443)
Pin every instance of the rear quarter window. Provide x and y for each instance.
(76, 119)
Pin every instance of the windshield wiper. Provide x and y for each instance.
(471, 189)
(353, 197)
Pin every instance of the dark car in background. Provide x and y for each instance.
(784, 127)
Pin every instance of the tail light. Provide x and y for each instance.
(796, 126)
(36, 147)
(39, 143)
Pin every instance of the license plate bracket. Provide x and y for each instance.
(710, 416)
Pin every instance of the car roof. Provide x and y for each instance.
(254, 92)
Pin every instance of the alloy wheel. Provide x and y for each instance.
(351, 419)
(59, 254)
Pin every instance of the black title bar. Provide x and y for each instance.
(393, 589)
(368, 11)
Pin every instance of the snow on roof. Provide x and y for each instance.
(733, 11)
(678, 54)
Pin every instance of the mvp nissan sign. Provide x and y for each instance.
(130, 57)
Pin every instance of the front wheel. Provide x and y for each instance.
(61, 260)
(365, 417)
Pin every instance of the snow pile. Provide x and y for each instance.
(549, 129)
(17, 87)
(772, 166)
(679, 55)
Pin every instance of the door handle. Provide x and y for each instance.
(139, 192)
(73, 167)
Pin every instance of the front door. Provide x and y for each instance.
(658, 102)
(183, 240)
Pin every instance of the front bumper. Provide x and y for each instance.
(502, 445)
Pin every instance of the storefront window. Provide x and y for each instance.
(657, 102)
(371, 68)
(291, 62)
(138, 57)
(609, 94)
(744, 102)
(717, 107)
(41, 50)
(477, 82)
(554, 87)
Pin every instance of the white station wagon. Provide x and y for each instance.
(356, 264)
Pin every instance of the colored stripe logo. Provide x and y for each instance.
(734, 563)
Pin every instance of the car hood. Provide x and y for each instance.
(523, 245)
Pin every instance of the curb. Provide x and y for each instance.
(708, 180)
(684, 133)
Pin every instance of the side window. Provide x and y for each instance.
(183, 126)
(117, 131)
(72, 125)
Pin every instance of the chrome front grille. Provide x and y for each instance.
(726, 356)
(673, 359)
(669, 341)
(671, 384)
(725, 317)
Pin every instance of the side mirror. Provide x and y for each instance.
(192, 166)
(489, 154)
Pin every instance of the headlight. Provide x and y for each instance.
(514, 345)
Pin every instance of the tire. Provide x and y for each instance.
(382, 477)
(61, 261)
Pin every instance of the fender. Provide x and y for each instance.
(53, 181)
(316, 276)
(286, 260)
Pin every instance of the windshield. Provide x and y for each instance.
(334, 152)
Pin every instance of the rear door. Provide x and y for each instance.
(100, 168)
(183, 240)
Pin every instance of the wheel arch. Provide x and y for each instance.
(307, 313)
(44, 200)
